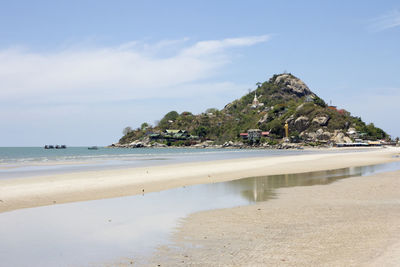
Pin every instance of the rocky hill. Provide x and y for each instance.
(283, 99)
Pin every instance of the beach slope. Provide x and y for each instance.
(353, 222)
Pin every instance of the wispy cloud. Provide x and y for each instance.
(127, 71)
(387, 21)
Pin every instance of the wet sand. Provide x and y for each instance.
(62, 188)
(353, 222)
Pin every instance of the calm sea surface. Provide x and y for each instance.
(33, 161)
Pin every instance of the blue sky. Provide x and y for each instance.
(78, 72)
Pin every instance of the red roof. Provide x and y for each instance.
(265, 133)
(244, 134)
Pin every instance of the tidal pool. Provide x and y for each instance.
(125, 229)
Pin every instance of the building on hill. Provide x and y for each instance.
(264, 134)
(256, 103)
(244, 135)
(254, 134)
(169, 131)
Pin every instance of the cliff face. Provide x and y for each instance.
(283, 99)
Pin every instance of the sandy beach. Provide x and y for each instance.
(71, 187)
(353, 222)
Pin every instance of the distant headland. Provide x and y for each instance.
(280, 113)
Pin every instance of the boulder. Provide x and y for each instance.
(156, 144)
(339, 137)
(323, 135)
(347, 139)
(301, 123)
(321, 121)
(238, 144)
(351, 131)
(204, 144)
(288, 146)
(309, 136)
(293, 85)
(228, 144)
(290, 120)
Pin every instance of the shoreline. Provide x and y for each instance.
(352, 222)
(20, 193)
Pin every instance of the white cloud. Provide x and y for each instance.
(387, 21)
(215, 46)
(127, 71)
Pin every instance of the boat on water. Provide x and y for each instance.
(93, 148)
(55, 147)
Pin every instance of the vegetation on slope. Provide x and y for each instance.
(282, 99)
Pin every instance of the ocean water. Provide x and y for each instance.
(33, 161)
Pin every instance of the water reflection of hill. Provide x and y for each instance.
(256, 189)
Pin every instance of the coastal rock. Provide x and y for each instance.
(156, 144)
(323, 135)
(293, 85)
(321, 121)
(288, 146)
(227, 144)
(198, 146)
(352, 131)
(204, 144)
(347, 139)
(340, 137)
(308, 136)
(301, 123)
(238, 144)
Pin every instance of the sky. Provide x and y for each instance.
(78, 72)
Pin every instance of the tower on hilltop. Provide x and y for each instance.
(256, 103)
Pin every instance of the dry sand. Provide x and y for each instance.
(353, 222)
(48, 190)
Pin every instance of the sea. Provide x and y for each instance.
(35, 161)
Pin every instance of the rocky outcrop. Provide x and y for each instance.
(288, 146)
(291, 84)
(323, 135)
(301, 123)
(263, 119)
(156, 144)
(308, 136)
(321, 121)
(138, 144)
(204, 144)
(339, 137)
